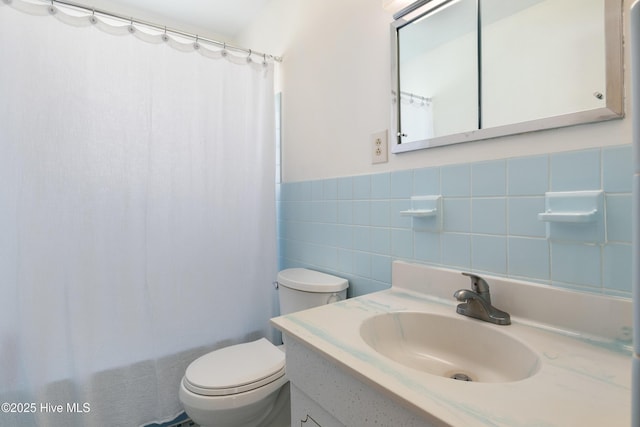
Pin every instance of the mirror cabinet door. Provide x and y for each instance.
(541, 59)
(438, 73)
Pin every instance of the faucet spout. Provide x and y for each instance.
(465, 295)
(477, 303)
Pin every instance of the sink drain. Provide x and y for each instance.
(459, 376)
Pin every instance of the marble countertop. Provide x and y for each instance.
(583, 380)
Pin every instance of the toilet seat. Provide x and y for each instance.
(235, 369)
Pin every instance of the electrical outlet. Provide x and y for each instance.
(379, 147)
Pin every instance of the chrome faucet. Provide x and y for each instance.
(477, 302)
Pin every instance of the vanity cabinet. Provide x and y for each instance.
(306, 412)
(324, 394)
(342, 373)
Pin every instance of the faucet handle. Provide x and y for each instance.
(479, 286)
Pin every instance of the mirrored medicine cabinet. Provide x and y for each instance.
(467, 70)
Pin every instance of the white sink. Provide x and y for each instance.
(453, 347)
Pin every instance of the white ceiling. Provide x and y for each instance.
(225, 18)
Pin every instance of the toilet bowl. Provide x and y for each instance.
(235, 386)
(245, 385)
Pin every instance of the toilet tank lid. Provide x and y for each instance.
(303, 279)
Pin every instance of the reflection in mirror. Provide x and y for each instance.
(466, 70)
(531, 49)
(438, 72)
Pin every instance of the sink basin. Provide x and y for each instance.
(454, 347)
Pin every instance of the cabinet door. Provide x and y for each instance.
(306, 412)
(309, 422)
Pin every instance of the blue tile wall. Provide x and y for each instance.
(576, 170)
(351, 226)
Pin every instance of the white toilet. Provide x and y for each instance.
(245, 385)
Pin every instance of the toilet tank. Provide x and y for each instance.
(301, 288)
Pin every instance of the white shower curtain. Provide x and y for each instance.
(137, 219)
(417, 118)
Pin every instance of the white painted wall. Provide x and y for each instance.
(335, 80)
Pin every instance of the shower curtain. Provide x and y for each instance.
(137, 216)
(417, 118)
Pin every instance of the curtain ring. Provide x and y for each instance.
(264, 59)
(165, 37)
(52, 9)
(131, 27)
(224, 49)
(93, 18)
(196, 45)
(249, 57)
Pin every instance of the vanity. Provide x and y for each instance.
(404, 357)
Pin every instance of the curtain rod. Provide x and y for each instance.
(413, 95)
(131, 20)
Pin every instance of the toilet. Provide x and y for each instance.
(245, 385)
